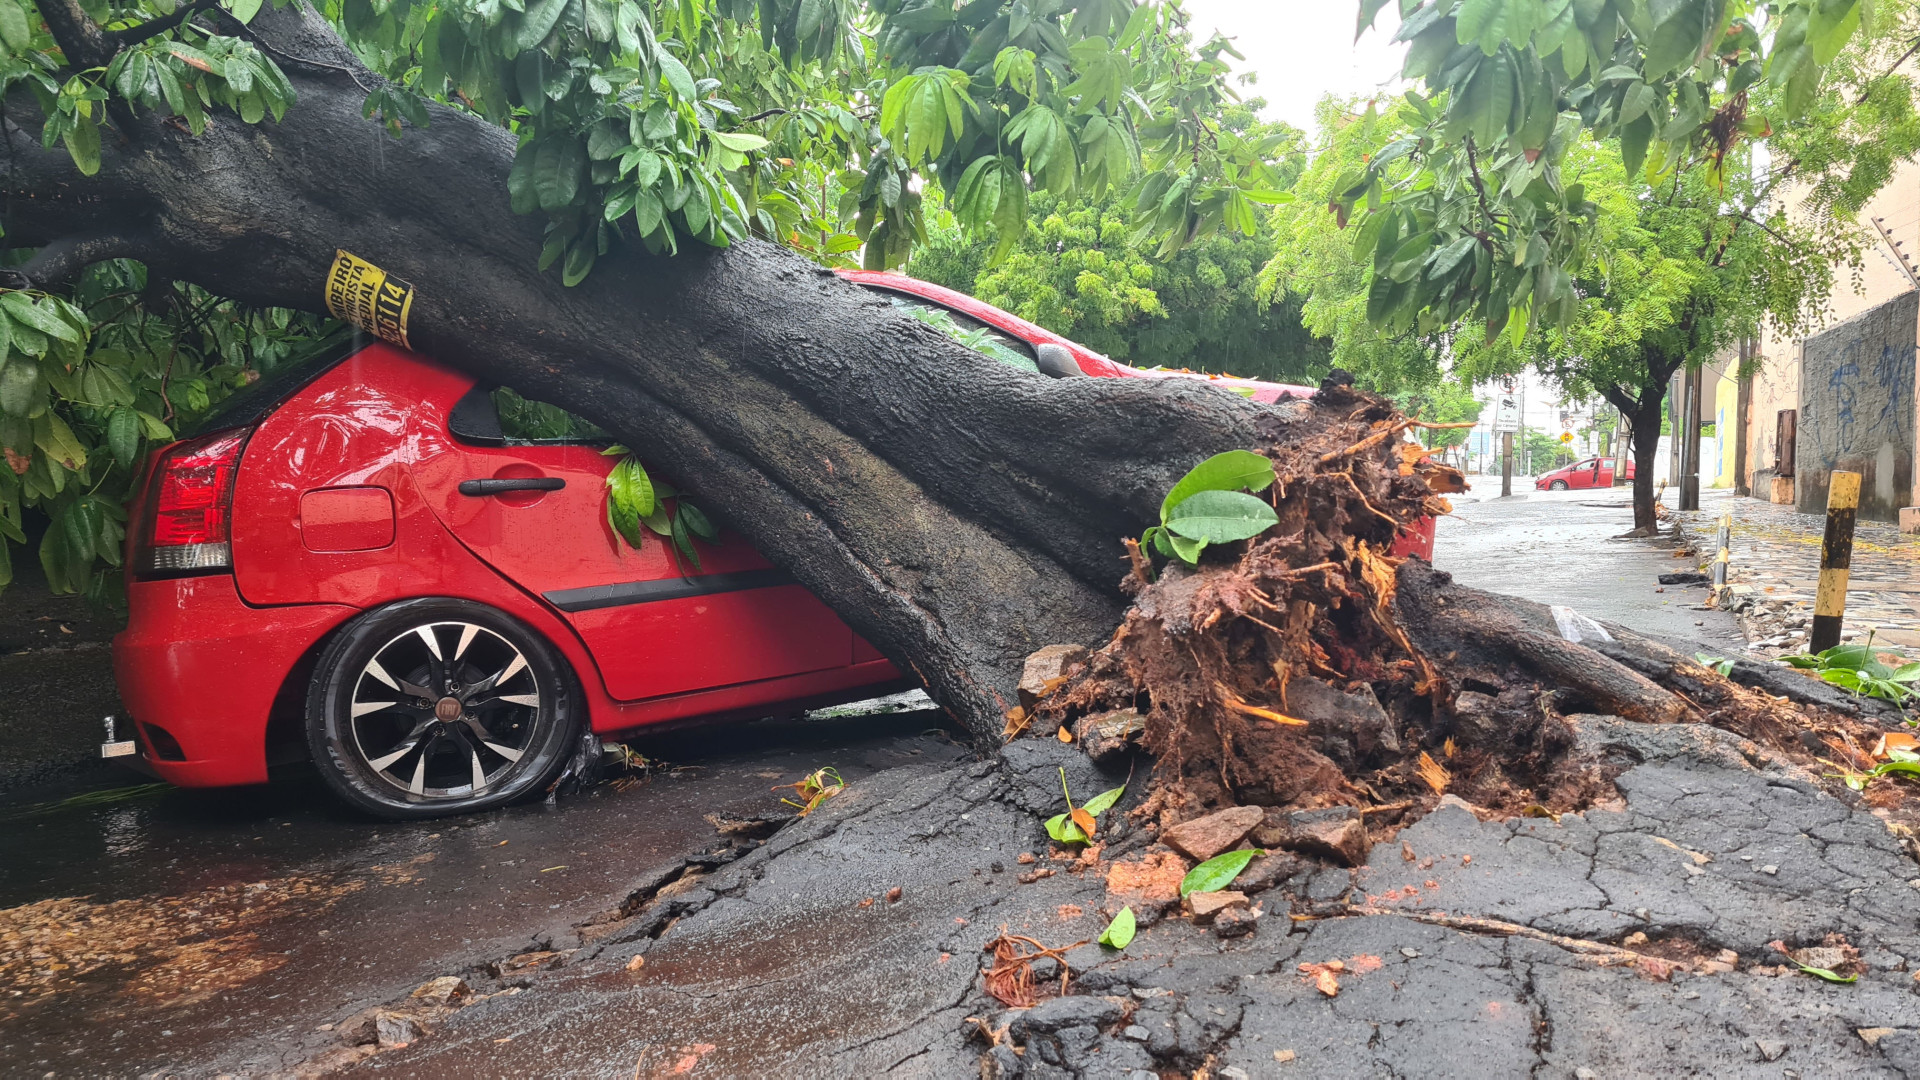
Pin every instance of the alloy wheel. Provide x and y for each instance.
(445, 710)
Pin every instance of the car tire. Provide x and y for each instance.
(1557, 485)
(450, 741)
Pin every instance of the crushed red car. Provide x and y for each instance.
(371, 560)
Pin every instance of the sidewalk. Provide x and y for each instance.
(1774, 569)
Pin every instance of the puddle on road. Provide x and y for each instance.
(162, 951)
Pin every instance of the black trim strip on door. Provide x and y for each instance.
(647, 592)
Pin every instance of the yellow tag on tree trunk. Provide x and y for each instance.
(369, 298)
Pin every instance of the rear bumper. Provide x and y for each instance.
(199, 664)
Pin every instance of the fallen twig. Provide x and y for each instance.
(1601, 952)
(1010, 979)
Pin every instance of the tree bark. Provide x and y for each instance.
(957, 513)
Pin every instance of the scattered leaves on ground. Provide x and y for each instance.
(1119, 932)
(1218, 872)
(813, 789)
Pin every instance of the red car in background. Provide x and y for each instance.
(1591, 473)
(370, 559)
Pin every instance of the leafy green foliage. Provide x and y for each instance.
(1218, 872)
(1211, 505)
(1853, 667)
(1469, 216)
(635, 499)
(1119, 933)
(1076, 271)
(89, 383)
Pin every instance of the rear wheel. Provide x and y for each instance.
(1557, 485)
(439, 706)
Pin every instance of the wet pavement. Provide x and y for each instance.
(1774, 568)
(144, 928)
(1561, 547)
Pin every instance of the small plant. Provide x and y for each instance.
(635, 499)
(1213, 504)
(813, 789)
(1852, 667)
(1119, 932)
(1718, 663)
(1218, 872)
(1077, 825)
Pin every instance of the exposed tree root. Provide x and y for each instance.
(1409, 686)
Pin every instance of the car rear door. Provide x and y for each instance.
(522, 485)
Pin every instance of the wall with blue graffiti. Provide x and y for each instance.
(1857, 409)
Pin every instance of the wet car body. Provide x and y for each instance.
(362, 567)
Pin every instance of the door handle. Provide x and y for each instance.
(497, 487)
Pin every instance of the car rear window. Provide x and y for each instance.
(967, 330)
(252, 403)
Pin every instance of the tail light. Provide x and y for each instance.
(190, 507)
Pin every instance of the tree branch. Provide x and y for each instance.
(62, 260)
(80, 39)
(134, 35)
(1891, 68)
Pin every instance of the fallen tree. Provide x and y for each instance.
(957, 514)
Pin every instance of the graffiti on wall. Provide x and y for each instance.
(1857, 408)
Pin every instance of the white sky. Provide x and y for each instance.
(1302, 50)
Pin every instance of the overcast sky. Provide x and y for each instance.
(1302, 50)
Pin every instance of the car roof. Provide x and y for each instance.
(1259, 389)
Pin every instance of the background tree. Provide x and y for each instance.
(1080, 271)
(1480, 221)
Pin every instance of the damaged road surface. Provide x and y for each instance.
(1632, 938)
(147, 929)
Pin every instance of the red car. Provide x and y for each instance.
(371, 560)
(1591, 473)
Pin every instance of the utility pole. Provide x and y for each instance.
(1743, 408)
(1690, 424)
(1506, 464)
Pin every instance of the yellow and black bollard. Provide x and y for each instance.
(1836, 557)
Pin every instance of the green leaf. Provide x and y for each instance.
(18, 379)
(1119, 933)
(1830, 976)
(1100, 803)
(244, 10)
(738, 140)
(123, 436)
(15, 32)
(677, 75)
(1064, 831)
(1852, 657)
(557, 165)
(1218, 872)
(40, 316)
(1234, 470)
(1188, 550)
(1906, 673)
(696, 521)
(539, 21)
(1221, 517)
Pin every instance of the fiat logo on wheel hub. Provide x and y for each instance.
(447, 709)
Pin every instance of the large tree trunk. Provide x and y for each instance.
(956, 512)
(1646, 448)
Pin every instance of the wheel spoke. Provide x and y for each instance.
(374, 669)
(380, 763)
(479, 776)
(433, 643)
(419, 784)
(507, 752)
(532, 701)
(466, 639)
(362, 708)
